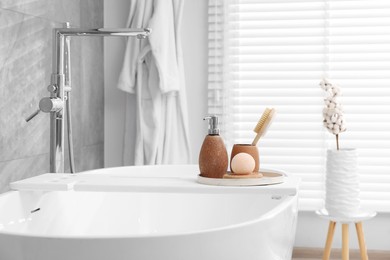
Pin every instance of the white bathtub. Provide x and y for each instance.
(163, 214)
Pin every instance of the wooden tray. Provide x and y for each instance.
(269, 177)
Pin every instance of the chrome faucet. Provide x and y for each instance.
(60, 87)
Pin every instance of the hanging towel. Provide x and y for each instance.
(153, 71)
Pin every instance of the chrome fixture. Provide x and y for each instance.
(60, 87)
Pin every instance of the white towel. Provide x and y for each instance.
(153, 71)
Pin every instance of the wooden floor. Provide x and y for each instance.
(316, 254)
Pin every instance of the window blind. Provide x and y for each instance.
(274, 53)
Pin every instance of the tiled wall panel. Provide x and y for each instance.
(25, 69)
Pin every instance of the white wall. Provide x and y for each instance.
(194, 39)
(311, 231)
(115, 15)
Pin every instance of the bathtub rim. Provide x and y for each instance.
(287, 201)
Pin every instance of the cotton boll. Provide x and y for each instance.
(325, 111)
(334, 101)
(326, 81)
(325, 123)
(336, 90)
(334, 118)
(332, 105)
(324, 115)
(330, 112)
(329, 99)
(322, 84)
(336, 129)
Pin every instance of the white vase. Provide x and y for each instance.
(342, 183)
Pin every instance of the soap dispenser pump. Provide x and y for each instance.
(213, 157)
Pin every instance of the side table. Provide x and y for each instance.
(358, 219)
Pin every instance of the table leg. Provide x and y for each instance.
(362, 242)
(329, 239)
(345, 244)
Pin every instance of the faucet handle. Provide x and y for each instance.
(33, 115)
(47, 105)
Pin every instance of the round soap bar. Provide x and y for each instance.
(243, 163)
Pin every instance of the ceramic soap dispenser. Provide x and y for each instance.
(213, 157)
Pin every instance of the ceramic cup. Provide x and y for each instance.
(249, 149)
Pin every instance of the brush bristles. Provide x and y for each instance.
(262, 120)
(263, 124)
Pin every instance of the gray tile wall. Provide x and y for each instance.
(25, 68)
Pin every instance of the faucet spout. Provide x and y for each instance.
(125, 32)
(61, 77)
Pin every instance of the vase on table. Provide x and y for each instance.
(342, 183)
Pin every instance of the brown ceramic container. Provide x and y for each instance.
(249, 149)
(213, 157)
